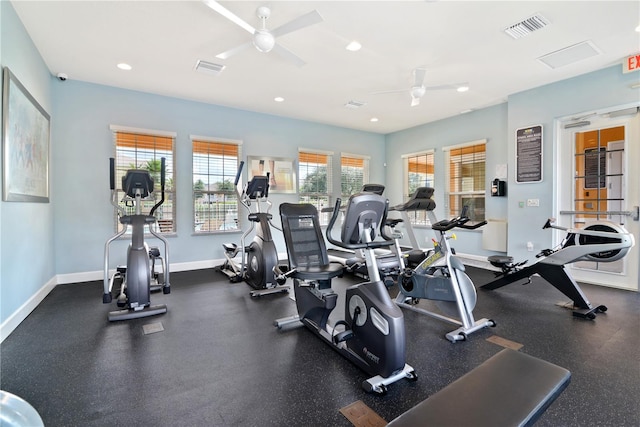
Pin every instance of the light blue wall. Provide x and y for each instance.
(26, 229)
(83, 214)
(543, 105)
(540, 106)
(490, 124)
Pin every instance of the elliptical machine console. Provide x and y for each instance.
(261, 256)
(136, 277)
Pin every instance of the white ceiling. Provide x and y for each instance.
(456, 41)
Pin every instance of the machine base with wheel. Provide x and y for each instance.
(600, 241)
(152, 310)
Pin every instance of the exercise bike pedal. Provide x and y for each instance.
(343, 336)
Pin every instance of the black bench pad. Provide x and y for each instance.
(509, 389)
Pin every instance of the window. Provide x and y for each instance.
(314, 180)
(419, 172)
(466, 179)
(215, 200)
(143, 149)
(354, 173)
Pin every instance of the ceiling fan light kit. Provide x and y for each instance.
(264, 41)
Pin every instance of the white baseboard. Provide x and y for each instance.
(90, 276)
(12, 322)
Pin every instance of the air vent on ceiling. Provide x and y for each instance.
(569, 55)
(354, 104)
(526, 27)
(209, 67)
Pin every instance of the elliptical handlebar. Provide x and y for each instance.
(238, 174)
(162, 179)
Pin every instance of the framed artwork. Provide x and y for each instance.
(282, 174)
(25, 144)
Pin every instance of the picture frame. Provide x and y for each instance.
(282, 173)
(26, 128)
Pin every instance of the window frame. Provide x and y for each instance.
(418, 218)
(170, 174)
(353, 158)
(454, 207)
(223, 144)
(328, 155)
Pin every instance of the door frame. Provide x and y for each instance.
(563, 199)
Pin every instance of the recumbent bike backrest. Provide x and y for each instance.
(303, 235)
(364, 211)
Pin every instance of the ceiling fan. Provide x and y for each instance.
(418, 89)
(264, 39)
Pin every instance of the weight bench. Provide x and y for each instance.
(509, 389)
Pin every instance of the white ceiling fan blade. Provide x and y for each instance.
(418, 76)
(229, 53)
(415, 101)
(303, 21)
(288, 55)
(229, 15)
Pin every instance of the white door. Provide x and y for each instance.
(602, 184)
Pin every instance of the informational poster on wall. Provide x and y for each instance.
(529, 154)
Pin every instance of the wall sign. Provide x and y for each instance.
(529, 154)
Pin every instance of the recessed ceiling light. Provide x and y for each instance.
(124, 66)
(278, 99)
(354, 46)
(638, 28)
(463, 88)
(373, 119)
(466, 111)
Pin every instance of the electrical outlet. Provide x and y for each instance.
(533, 202)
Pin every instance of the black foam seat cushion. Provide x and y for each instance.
(509, 389)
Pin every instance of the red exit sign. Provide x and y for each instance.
(631, 63)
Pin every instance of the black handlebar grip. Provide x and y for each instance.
(162, 171)
(112, 173)
(239, 172)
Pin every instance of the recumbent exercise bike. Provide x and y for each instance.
(600, 241)
(138, 278)
(371, 331)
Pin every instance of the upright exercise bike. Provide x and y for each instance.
(441, 277)
(136, 277)
(370, 332)
(260, 257)
(600, 241)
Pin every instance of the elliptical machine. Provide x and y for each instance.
(136, 277)
(600, 241)
(371, 332)
(261, 256)
(441, 277)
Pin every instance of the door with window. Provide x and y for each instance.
(602, 185)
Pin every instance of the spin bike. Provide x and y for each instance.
(261, 256)
(371, 331)
(441, 277)
(138, 278)
(600, 241)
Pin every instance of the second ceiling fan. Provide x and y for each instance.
(418, 89)
(264, 39)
